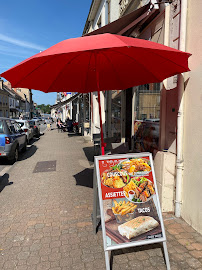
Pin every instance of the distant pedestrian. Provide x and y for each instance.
(60, 125)
(48, 124)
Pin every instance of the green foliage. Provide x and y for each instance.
(44, 108)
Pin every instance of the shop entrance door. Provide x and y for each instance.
(128, 115)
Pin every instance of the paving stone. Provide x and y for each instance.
(197, 246)
(196, 254)
(194, 263)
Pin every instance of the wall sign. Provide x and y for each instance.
(129, 202)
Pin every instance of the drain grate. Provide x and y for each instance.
(45, 166)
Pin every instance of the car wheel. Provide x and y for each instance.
(15, 156)
(24, 147)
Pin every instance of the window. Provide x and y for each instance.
(148, 101)
(10, 127)
(0, 99)
(147, 117)
(21, 124)
(109, 10)
(1, 113)
(31, 123)
(15, 127)
(99, 23)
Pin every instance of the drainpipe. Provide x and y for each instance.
(180, 116)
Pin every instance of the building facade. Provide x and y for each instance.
(159, 118)
(4, 101)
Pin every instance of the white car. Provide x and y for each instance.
(24, 124)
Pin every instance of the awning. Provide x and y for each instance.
(125, 23)
(60, 104)
(14, 110)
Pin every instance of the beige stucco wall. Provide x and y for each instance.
(192, 182)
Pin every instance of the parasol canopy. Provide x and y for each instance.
(96, 63)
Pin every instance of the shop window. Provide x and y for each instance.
(116, 116)
(1, 113)
(147, 118)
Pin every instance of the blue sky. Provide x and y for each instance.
(27, 27)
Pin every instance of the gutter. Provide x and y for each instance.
(180, 116)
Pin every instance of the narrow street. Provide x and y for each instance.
(46, 202)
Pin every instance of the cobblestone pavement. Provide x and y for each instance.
(45, 217)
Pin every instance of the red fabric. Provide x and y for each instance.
(120, 61)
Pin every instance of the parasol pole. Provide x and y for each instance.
(101, 130)
(99, 105)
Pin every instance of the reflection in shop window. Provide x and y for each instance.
(116, 115)
(147, 118)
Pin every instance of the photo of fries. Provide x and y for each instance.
(123, 207)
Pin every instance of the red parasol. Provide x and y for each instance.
(96, 63)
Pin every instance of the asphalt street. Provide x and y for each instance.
(4, 166)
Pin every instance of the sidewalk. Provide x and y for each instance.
(45, 217)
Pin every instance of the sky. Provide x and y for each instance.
(28, 27)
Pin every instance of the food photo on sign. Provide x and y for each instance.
(129, 200)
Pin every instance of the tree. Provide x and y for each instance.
(44, 108)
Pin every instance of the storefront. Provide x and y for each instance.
(138, 115)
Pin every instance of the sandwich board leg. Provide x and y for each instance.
(107, 261)
(166, 255)
(95, 196)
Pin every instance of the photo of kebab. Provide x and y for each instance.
(136, 166)
(143, 189)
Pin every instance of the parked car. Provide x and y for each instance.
(12, 139)
(41, 121)
(36, 127)
(24, 124)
